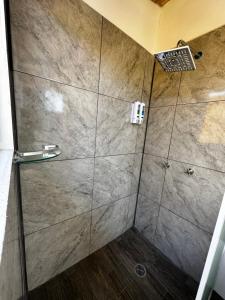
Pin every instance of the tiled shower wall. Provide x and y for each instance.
(75, 77)
(186, 129)
(11, 279)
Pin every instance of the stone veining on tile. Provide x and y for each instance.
(12, 221)
(202, 90)
(159, 130)
(56, 248)
(108, 222)
(52, 113)
(112, 179)
(190, 204)
(115, 133)
(206, 83)
(10, 271)
(196, 198)
(56, 52)
(136, 173)
(165, 87)
(58, 40)
(185, 244)
(122, 64)
(55, 191)
(199, 135)
(146, 217)
(152, 177)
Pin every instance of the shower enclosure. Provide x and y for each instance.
(74, 78)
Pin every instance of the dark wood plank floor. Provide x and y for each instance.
(109, 274)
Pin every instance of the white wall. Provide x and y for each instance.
(220, 280)
(137, 18)
(6, 136)
(159, 28)
(188, 19)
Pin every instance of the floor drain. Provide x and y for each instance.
(140, 270)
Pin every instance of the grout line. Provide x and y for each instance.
(171, 136)
(146, 129)
(79, 215)
(142, 92)
(184, 162)
(55, 81)
(176, 214)
(80, 158)
(118, 99)
(200, 102)
(96, 131)
(189, 103)
(73, 86)
(164, 178)
(181, 217)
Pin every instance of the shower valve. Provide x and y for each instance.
(166, 165)
(189, 171)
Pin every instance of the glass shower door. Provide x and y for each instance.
(210, 279)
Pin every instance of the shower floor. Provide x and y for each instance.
(109, 273)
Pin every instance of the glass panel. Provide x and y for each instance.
(210, 271)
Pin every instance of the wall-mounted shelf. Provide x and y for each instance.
(47, 152)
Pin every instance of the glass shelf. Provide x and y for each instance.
(47, 152)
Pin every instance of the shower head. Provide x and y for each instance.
(177, 59)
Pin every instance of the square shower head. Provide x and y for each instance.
(176, 60)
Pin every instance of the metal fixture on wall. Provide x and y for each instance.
(178, 59)
(166, 165)
(189, 171)
(47, 152)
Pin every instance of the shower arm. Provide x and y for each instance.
(197, 54)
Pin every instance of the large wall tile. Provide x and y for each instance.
(10, 272)
(59, 40)
(122, 64)
(115, 133)
(12, 221)
(112, 179)
(152, 177)
(136, 173)
(165, 87)
(146, 217)
(196, 198)
(108, 222)
(207, 82)
(52, 113)
(185, 244)
(56, 248)
(199, 135)
(204, 89)
(55, 191)
(159, 130)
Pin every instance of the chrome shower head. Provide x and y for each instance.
(177, 59)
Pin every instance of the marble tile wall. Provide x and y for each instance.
(186, 129)
(75, 76)
(11, 280)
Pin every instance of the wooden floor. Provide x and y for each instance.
(109, 274)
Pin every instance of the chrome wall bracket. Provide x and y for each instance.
(47, 152)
